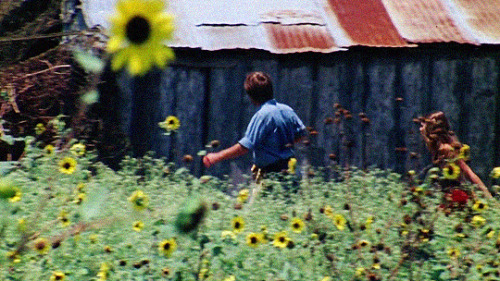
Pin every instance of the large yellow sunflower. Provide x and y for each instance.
(139, 200)
(67, 165)
(339, 221)
(167, 247)
(138, 226)
(57, 275)
(453, 253)
(451, 171)
(63, 218)
(78, 149)
(138, 31)
(292, 164)
(243, 195)
(41, 245)
(171, 123)
(495, 173)
(464, 152)
(479, 206)
(297, 225)
(281, 240)
(253, 239)
(238, 224)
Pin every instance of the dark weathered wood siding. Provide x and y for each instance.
(204, 90)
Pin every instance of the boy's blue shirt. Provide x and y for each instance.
(271, 128)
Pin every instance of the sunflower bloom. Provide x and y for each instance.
(13, 256)
(292, 164)
(67, 165)
(139, 200)
(226, 234)
(453, 253)
(80, 197)
(58, 275)
(138, 226)
(479, 206)
(451, 171)
(49, 149)
(63, 218)
(328, 211)
(363, 243)
(39, 129)
(238, 224)
(360, 271)
(138, 31)
(167, 247)
(103, 272)
(478, 221)
(281, 240)
(17, 196)
(464, 152)
(41, 245)
(297, 225)
(243, 195)
(339, 221)
(170, 124)
(253, 239)
(369, 222)
(78, 149)
(495, 173)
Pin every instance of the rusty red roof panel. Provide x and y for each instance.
(366, 22)
(300, 38)
(482, 17)
(425, 21)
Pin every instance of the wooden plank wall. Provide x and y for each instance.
(392, 86)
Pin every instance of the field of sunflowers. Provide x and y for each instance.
(68, 217)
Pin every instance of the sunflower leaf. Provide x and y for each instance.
(90, 97)
(217, 250)
(88, 61)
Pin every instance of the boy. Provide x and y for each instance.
(271, 131)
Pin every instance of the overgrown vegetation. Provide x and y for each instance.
(72, 218)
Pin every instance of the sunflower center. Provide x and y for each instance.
(281, 239)
(67, 166)
(138, 30)
(296, 225)
(166, 246)
(237, 225)
(253, 240)
(40, 245)
(139, 202)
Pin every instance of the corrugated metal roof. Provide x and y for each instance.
(482, 18)
(300, 38)
(367, 22)
(424, 21)
(290, 26)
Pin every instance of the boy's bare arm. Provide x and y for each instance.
(234, 151)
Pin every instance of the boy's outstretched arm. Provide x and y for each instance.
(234, 151)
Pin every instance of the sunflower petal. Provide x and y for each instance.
(156, 6)
(134, 64)
(119, 59)
(114, 44)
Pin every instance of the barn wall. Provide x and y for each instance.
(204, 90)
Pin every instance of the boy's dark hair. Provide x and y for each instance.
(259, 87)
